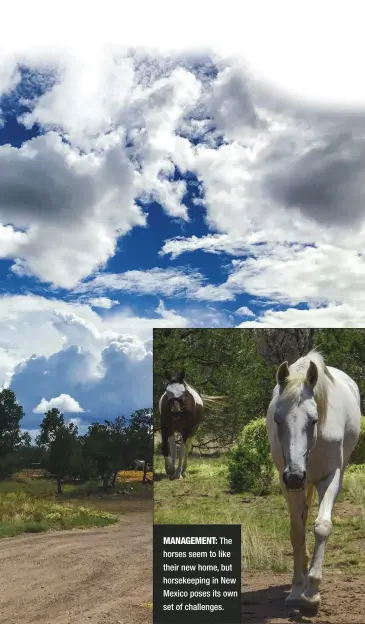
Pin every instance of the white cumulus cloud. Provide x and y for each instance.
(64, 403)
(274, 183)
(244, 311)
(102, 302)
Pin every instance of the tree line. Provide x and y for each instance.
(241, 364)
(101, 453)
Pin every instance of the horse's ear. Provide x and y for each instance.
(312, 375)
(181, 376)
(282, 373)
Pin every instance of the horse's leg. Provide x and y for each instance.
(181, 457)
(297, 510)
(327, 493)
(172, 443)
(308, 504)
(165, 447)
(188, 445)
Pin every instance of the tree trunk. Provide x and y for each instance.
(145, 472)
(278, 345)
(106, 482)
(115, 478)
(59, 485)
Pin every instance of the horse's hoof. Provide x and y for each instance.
(302, 604)
(292, 603)
(308, 609)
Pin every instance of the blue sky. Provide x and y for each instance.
(141, 191)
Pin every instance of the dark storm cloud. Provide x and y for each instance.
(40, 377)
(326, 181)
(315, 162)
(38, 184)
(230, 101)
(124, 387)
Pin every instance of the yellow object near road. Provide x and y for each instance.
(133, 475)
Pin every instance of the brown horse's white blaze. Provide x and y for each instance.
(182, 411)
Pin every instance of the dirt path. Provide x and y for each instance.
(92, 576)
(343, 600)
(104, 576)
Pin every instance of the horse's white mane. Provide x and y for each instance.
(297, 377)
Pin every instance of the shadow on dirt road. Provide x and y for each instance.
(263, 595)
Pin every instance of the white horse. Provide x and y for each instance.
(313, 424)
(139, 464)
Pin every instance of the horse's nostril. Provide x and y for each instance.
(294, 479)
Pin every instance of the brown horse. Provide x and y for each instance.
(181, 411)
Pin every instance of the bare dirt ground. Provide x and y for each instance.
(93, 576)
(343, 599)
(104, 576)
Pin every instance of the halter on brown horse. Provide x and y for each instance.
(182, 411)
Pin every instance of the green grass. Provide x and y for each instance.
(21, 512)
(32, 505)
(354, 485)
(203, 497)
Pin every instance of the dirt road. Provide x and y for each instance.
(343, 599)
(104, 576)
(97, 576)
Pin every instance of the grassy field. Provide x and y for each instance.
(203, 498)
(29, 504)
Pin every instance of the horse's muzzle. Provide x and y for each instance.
(176, 405)
(294, 479)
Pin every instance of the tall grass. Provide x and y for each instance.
(24, 513)
(354, 487)
(203, 497)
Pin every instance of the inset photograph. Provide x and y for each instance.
(76, 490)
(264, 428)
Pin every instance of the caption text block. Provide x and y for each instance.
(197, 574)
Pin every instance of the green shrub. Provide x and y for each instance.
(358, 455)
(250, 466)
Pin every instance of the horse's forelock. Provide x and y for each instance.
(298, 375)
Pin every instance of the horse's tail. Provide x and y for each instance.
(214, 402)
(309, 498)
